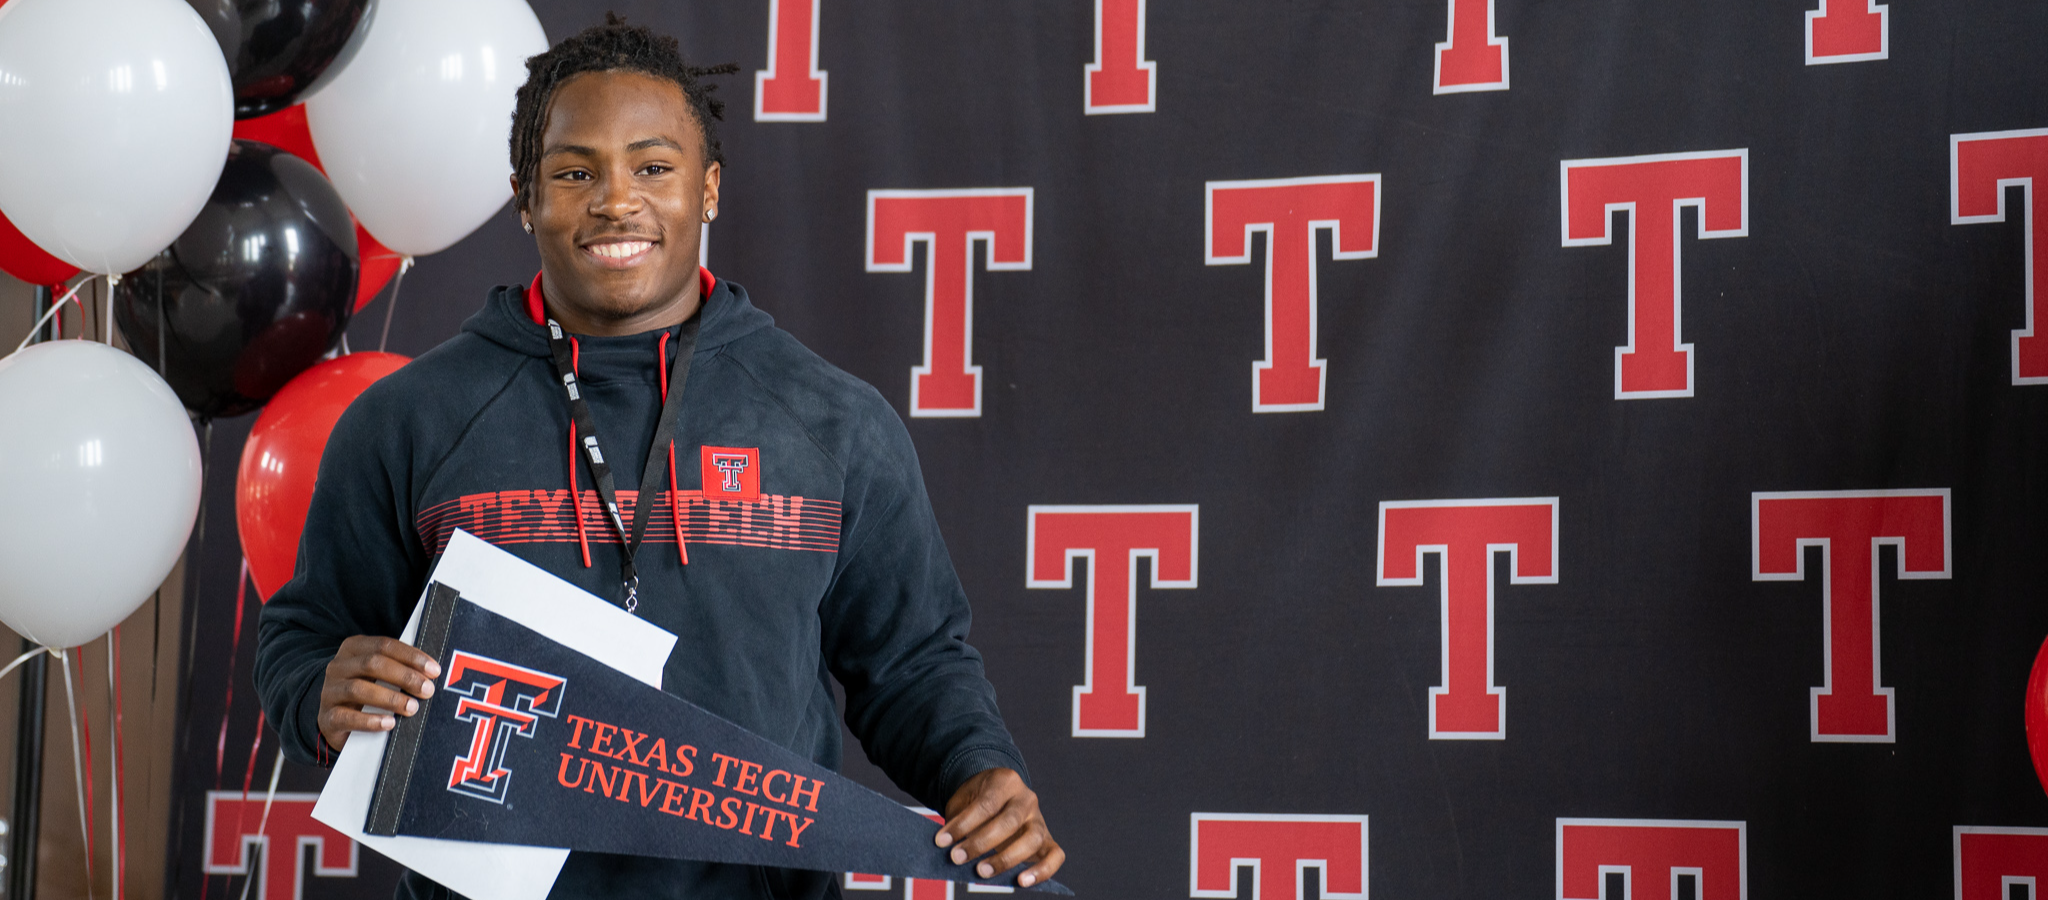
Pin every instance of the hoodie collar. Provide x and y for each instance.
(536, 306)
(507, 318)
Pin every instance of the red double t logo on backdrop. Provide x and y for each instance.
(1290, 211)
(949, 223)
(1121, 79)
(504, 701)
(1464, 535)
(1112, 539)
(281, 829)
(1652, 190)
(792, 88)
(1473, 56)
(1849, 526)
(1848, 31)
(1981, 167)
(1990, 861)
(1279, 849)
(1652, 857)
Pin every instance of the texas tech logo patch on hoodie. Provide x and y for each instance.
(732, 473)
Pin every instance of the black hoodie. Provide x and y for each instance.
(830, 563)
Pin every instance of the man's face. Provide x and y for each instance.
(619, 198)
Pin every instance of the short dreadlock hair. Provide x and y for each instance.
(612, 47)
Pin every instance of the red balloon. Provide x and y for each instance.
(274, 485)
(286, 130)
(21, 258)
(2037, 715)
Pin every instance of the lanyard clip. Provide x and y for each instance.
(633, 593)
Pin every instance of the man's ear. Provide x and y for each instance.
(519, 205)
(711, 174)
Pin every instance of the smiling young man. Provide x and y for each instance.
(788, 540)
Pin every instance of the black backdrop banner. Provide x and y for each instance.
(1439, 448)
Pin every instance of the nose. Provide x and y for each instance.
(616, 198)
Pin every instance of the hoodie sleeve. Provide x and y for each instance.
(359, 571)
(895, 624)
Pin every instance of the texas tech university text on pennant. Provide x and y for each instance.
(528, 742)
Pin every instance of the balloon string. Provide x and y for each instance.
(156, 639)
(117, 853)
(404, 266)
(85, 727)
(255, 747)
(107, 334)
(263, 824)
(69, 295)
(161, 349)
(220, 746)
(77, 769)
(188, 660)
(25, 657)
(242, 809)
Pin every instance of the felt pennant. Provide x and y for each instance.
(528, 742)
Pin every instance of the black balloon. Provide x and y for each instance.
(254, 292)
(276, 49)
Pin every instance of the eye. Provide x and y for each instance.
(574, 175)
(656, 169)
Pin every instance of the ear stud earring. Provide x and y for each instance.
(526, 225)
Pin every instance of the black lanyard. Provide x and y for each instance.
(601, 471)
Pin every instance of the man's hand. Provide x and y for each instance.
(995, 811)
(352, 683)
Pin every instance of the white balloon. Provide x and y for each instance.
(117, 119)
(99, 487)
(413, 131)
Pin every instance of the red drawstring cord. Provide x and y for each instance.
(576, 493)
(576, 497)
(675, 507)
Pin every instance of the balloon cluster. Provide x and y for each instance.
(246, 174)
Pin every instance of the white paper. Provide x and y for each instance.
(527, 594)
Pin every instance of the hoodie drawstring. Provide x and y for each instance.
(566, 352)
(675, 506)
(576, 493)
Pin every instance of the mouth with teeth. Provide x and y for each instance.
(618, 253)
